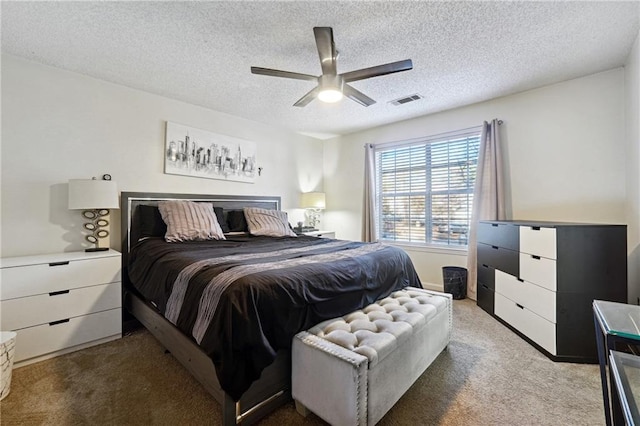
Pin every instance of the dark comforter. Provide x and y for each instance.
(244, 299)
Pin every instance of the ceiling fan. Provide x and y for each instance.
(331, 85)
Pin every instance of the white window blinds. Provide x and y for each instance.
(425, 188)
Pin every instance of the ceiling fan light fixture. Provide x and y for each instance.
(330, 95)
(330, 88)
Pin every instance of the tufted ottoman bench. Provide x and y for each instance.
(352, 370)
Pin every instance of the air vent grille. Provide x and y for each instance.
(406, 99)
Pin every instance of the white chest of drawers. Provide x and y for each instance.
(61, 302)
(540, 278)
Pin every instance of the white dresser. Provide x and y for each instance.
(61, 302)
(540, 278)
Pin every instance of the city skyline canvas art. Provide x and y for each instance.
(200, 153)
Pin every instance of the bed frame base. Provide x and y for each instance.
(274, 386)
(272, 390)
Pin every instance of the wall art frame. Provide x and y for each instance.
(189, 151)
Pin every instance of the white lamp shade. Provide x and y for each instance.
(87, 194)
(313, 200)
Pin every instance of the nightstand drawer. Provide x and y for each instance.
(44, 339)
(320, 234)
(45, 308)
(533, 326)
(536, 299)
(326, 235)
(45, 278)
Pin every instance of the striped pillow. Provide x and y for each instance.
(189, 221)
(270, 223)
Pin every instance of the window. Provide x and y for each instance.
(425, 188)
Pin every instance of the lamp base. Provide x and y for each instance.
(97, 249)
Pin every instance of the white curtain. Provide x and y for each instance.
(369, 204)
(488, 196)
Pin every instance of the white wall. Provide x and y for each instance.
(565, 147)
(632, 109)
(58, 125)
(565, 154)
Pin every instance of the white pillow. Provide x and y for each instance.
(189, 221)
(270, 223)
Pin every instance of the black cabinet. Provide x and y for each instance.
(540, 279)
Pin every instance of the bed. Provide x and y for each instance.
(228, 309)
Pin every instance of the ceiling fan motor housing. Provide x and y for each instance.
(328, 81)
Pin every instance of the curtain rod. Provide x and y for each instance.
(423, 137)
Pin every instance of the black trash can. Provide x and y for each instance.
(455, 281)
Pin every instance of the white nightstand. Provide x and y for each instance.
(321, 234)
(59, 303)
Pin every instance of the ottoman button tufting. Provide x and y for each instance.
(350, 370)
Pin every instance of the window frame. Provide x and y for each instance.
(473, 136)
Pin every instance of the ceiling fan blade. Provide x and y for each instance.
(326, 49)
(284, 74)
(357, 96)
(303, 101)
(376, 71)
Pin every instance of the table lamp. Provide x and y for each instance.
(313, 202)
(95, 197)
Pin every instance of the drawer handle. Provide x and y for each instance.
(535, 228)
(56, 293)
(519, 306)
(485, 266)
(59, 263)
(494, 247)
(59, 322)
(484, 286)
(535, 257)
(495, 225)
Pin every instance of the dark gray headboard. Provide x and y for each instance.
(129, 201)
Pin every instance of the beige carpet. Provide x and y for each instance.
(487, 376)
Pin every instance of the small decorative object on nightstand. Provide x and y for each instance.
(62, 302)
(95, 197)
(313, 202)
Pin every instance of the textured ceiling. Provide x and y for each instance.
(201, 52)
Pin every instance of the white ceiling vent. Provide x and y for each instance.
(406, 99)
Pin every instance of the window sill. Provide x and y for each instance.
(455, 251)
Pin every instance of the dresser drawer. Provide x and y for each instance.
(538, 241)
(45, 308)
(533, 326)
(485, 298)
(45, 278)
(534, 298)
(44, 339)
(498, 258)
(538, 270)
(486, 275)
(503, 235)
